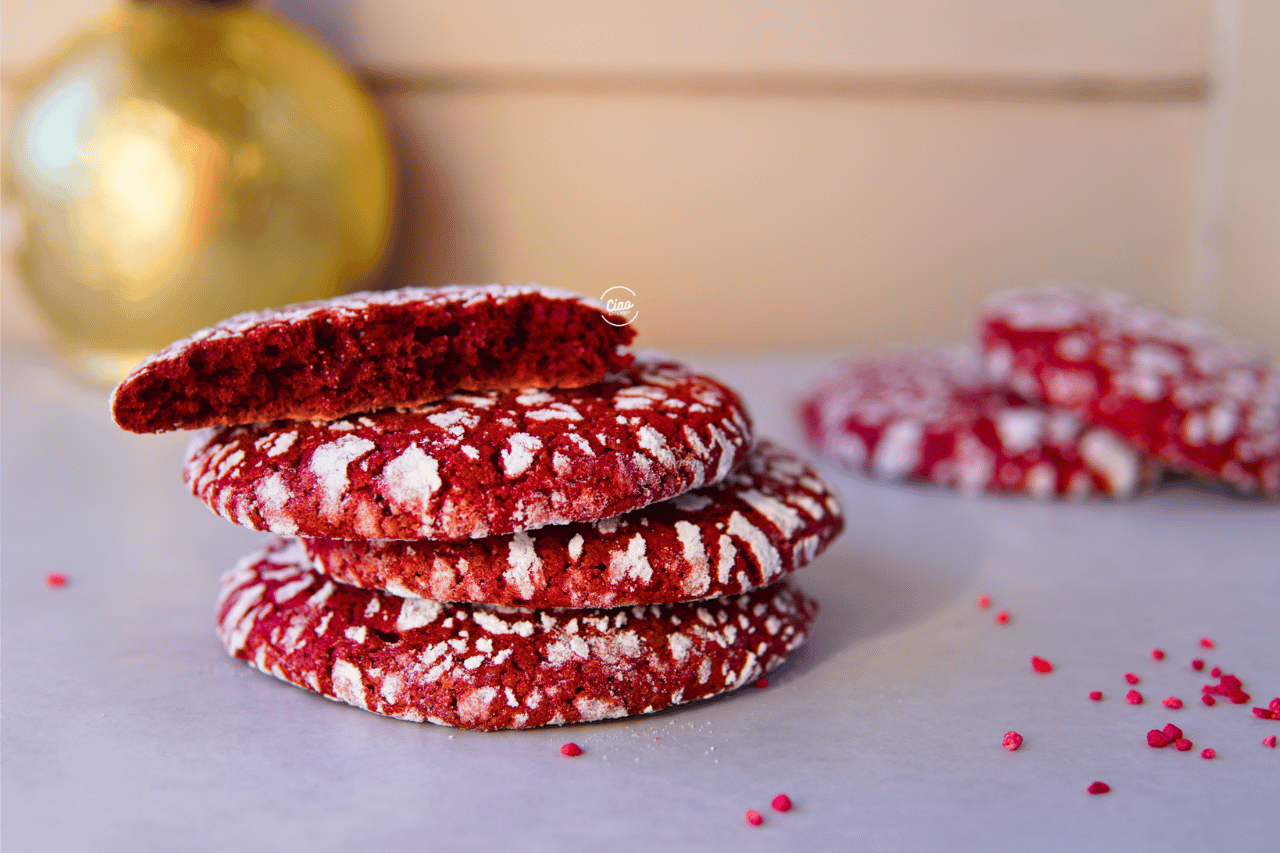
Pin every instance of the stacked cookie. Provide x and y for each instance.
(493, 515)
(1068, 393)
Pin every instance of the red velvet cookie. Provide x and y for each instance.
(930, 415)
(1172, 387)
(372, 351)
(484, 667)
(772, 515)
(476, 465)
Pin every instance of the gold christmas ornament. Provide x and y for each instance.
(180, 162)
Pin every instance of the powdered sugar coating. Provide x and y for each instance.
(368, 351)
(490, 668)
(407, 474)
(931, 415)
(775, 515)
(1172, 387)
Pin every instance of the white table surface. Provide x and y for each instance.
(126, 726)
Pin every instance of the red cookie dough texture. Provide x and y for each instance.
(930, 415)
(475, 465)
(495, 668)
(770, 516)
(367, 351)
(1175, 389)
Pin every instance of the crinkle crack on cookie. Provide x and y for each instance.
(483, 667)
(769, 517)
(367, 351)
(476, 465)
(930, 415)
(1172, 387)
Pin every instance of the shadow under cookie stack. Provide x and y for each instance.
(490, 514)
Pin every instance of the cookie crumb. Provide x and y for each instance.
(1230, 686)
(1096, 695)
(984, 601)
(1002, 618)
(1157, 654)
(1182, 744)
(1012, 740)
(1269, 740)
(1197, 664)
(1207, 752)
(762, 682)
(55, 579)
(1039, 664)
(781, 803)
(571, 750)
(1274, 705)
(754, 817)
(1173, 702)
(1172, 732)
(1216, 672)
(1205, 642)
(1099, 788)
(1131, 678)
(1208, 700)
(1133, 697)
(1262, 713)
(1157, 739)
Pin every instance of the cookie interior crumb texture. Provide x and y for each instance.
(369, 351)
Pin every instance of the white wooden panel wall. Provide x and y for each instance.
(808, 174)
(914, 37)
(1245, 283)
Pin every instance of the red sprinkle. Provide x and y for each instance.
(1206, 642)
(1173, 702)
(571, 750)
(1208, 700)
(1156, 738)
(1274, 705)
(984, 601)
(1039, 664)
(1131, 678)
(781, 803)
(754, 817)
(1182, 744)
(1099, 788)
(1197, 664)
(1207, 753)
(1133, 697)
(1012, 740)
(762, 682)
(1215, 672)
(1262, 713)
(1269, 740)
(1096, 695)
(1157, 654)
(55, 579)
(1172, 732)
(1002, 618)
